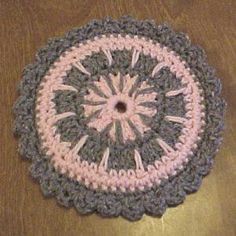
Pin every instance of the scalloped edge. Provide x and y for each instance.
(139, 203)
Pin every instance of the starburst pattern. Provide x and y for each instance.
(122, 99)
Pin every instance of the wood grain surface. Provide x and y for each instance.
(25, 25)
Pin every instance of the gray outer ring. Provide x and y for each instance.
(132, 206)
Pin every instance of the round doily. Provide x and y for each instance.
(120, 117)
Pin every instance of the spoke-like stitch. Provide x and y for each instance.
(90, 109)
(144, 91)
(128, 83)
(93, 115)
(127, 132)
(175, 92)
(145, 110)
(176, 119)
(138, 125)
(75, 150)
(112, 131)
(167, 148)
(104, 162)
(158, 67)
(134, 87)
(92, 96)
(138, 160)
(134, 128)
(64, 87)
(108, 55)
(100, 126)
(79, 66)
(121, 85)
(110, 84)
(97, 90)
(107, 128)
(94, 103)
(135, 57)
(116, 81)
(151, 96)
(62, 116)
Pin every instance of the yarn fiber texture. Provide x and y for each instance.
(120, 118)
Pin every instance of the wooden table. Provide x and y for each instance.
(25, 25)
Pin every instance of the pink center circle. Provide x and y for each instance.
(125, 103)
(130, 100)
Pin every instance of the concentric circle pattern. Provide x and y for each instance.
(120, 117)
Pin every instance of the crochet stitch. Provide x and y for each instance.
(120, 117)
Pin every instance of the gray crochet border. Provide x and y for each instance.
(131, 206)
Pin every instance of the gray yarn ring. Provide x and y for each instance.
(131, 205)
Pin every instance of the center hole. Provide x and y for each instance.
(121, 107)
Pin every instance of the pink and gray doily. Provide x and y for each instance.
(120, 117)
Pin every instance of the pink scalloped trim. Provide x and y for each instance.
(96, 175)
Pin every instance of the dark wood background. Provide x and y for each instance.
(25, 25)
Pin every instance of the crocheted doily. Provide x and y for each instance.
(120, 117)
